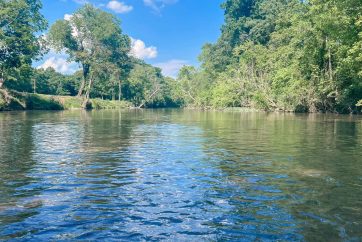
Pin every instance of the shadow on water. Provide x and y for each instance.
(180, 175)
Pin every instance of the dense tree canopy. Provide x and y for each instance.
(284, 54)
(20, 21)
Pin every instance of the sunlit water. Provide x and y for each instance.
(180, 176)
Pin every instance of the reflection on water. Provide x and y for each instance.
(180, 175)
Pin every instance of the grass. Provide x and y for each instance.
(106, 104)
(42, 102)
(28, 101)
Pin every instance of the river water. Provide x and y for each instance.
(180, 175)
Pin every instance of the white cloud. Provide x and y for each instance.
(80, 1)
(172, 67)
(68, 16)
(157, 5)
(119, 7)
(59, 64)
(139, 50)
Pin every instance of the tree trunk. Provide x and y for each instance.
(34, 86)
(149, 97)
(2, 80)
(89, 88)
(330, 64)
(84, 80)
(330, 68)
(119, 90)
(113, 95)
(87, 94)
(80, 92)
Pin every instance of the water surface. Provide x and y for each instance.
(180, 176)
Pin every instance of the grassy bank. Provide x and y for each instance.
(10, 101)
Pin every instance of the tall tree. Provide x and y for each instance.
(94, 39)
(20, 23)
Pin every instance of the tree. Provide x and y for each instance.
(145, 86)
(50, 82)
(20, 21)
(94, 39)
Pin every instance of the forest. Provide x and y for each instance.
(274, 55)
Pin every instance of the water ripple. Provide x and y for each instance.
(172, 176)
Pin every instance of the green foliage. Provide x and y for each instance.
(288, 55)
(18, 78)
(285, 55)
(145, 86)
(53, 83)
(91, 37)
(20, 21)
(94, 39)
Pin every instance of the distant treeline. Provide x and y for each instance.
(288, 55)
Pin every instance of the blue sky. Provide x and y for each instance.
(166, 33)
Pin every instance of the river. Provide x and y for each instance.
(180, 175)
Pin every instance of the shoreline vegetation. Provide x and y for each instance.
(17, 101)
(271, 55)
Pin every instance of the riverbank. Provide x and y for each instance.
(12, 101)
(357, 111)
